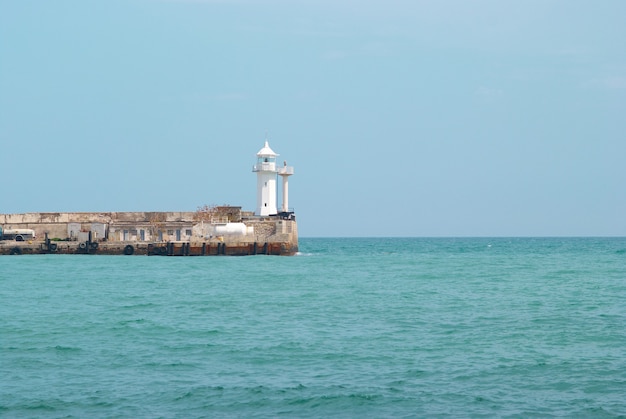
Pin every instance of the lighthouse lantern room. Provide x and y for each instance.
(267, 172)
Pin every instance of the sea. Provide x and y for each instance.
(348, 328)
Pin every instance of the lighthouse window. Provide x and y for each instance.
(266, 204)
(265, 183)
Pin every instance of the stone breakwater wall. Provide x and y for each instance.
(215, 248)
(229, 232)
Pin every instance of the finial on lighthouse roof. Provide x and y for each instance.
(266, 151)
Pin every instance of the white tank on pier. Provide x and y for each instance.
(233, 229)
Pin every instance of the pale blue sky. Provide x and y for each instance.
(402, 118)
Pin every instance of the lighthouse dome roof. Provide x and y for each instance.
(266, 151)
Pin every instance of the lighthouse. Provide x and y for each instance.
(267, 172)
(285, 172)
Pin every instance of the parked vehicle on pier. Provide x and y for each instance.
(18, 234)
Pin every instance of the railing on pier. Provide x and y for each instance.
(264, 167)
(285, 170)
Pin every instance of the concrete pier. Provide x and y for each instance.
(209, 231)
(213, 231)
(148, 249)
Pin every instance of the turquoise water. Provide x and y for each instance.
(349, 328)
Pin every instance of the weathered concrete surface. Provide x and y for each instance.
(111, 232)
(89, 217)
(215, 248)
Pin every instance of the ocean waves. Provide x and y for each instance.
(357, 327)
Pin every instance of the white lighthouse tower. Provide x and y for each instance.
(267, 172)
(265, 169)
(285, 172)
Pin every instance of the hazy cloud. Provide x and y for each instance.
(610, 82)
(489, 93)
